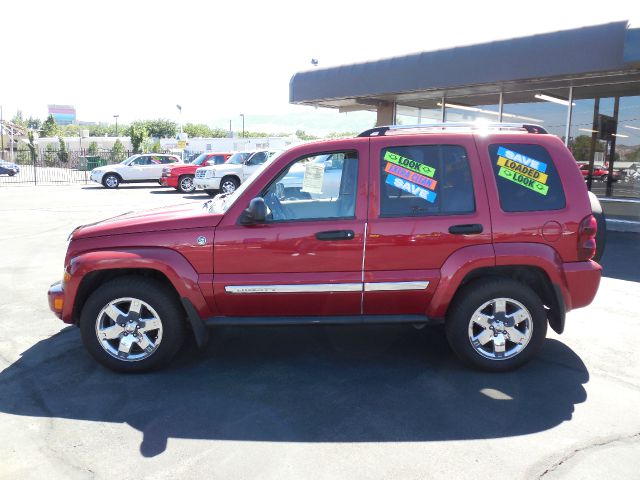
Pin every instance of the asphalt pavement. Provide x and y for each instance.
(303, 402)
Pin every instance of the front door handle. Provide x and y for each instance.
(465, 229)
(336, 235)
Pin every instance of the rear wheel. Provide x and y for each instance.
(496, 325)
(185, 184)
(132, 324)
(111, 180)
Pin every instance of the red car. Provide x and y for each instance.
(491, 233)
(181, 176)
(599, 172)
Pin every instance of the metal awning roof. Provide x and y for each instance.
(604, 60)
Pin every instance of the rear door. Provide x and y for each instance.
(428, 201)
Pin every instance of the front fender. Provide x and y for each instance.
(170, 263)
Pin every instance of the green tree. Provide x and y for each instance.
(137, 132)
(156, 147)
(51, 154)
(49, 128)
(32, 146)
(34, 123)
(118, 152)
(197, 130)
(302, 135)
(63, 154)
(160, 128)
(581, 147)
(18, 120)
(93, 148)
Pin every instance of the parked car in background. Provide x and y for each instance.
(227, 177)
(600, 172)
(146, 167)
(180, 176)
(8, 168)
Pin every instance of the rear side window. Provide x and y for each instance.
(425, 180)
(526, 177)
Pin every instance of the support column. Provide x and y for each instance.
(501, 107)
(569, 114)
(386, 114)
(612, 149)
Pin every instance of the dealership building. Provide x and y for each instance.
(582, 85)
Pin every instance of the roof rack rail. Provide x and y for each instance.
(381, 131)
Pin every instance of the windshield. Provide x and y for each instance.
(200, 159)
(126, 160)
(222, 202)
(238, 158)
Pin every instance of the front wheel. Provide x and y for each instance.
(229, 185)
(111, 180)
(496, 325)
(132, 324)
(185, 184)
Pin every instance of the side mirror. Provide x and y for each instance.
(256, 212)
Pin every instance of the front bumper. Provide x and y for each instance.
(207, 183)
(56, 298)
(168, 181)
(96, 177)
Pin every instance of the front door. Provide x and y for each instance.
(306, 259)
(253, 163)
(430, 201)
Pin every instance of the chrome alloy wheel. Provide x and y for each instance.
(500, 329)
(111, 181)
(129, 329)
(228, 186)
(187, 185)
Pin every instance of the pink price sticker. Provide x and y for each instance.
(413, 177)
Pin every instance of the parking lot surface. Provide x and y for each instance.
(303, 402)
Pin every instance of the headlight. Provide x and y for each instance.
(96, 170)
(210, 174)
(165, 171)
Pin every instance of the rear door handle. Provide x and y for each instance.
(336, 235)
(465, 229)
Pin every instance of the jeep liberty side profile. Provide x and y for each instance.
(488, 229)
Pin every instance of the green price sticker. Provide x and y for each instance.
(520, 179)
(410, 164)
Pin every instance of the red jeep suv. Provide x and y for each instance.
(488, 229)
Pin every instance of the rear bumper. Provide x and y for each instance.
(56, 298)
(583, 279)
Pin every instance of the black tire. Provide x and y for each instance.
(163, 301)
(185, 184)
(604, 178)
(472, 297)
(601, 235)
(229, 184)
(111, 180)
(11, 174)
(211, 193)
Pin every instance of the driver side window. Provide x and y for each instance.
(314, 187)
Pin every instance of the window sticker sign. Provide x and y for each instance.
(413, 177)
(411, 188)
(313, 178)
(525, 171)
(409, 164)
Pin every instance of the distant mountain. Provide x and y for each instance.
(318, 122)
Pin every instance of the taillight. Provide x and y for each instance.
(587, 238)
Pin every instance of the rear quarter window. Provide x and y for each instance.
(526, 178)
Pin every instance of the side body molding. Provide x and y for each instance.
(170, 263)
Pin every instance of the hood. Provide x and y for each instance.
(183, 217)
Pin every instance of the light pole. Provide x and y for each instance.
(179, 107)
(116, 117)
(242, 115)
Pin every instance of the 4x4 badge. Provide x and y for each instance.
(202, 240)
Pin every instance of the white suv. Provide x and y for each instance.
(136, 168)
(228, 176)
